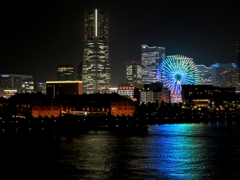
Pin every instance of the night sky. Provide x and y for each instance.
(37, 36)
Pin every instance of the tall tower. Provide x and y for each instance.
(151, 58)
(238, 51)
(96, 64)
(133, 72)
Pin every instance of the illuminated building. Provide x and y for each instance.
(47, 109)
(153, 93)
(200, 95)
(225, 75)
(206, 95)
(65, 72)
(123, 107)
(96, 65)
(11, 84)
(56, 88)
(126, 90)
(133, 72)
(205, 74)
(151, 58)
(109, 90)
(146, 95)
(238, 52)
(176, 70)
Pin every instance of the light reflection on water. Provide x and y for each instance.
(170, 151)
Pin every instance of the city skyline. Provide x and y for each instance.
(37, 37)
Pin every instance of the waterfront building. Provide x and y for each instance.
(200, 95)
(96, 63)
(11, 84)
(206, 95)
(123, 107)
(225, 75)
(151, 58)
(205, 74)
(65, 72)
(43, 109)
(133, 72)
(56, 88)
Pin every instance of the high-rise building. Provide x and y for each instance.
(205, 74)
(65, 72)
(96, 64)
(133, 72)
(225, 75)
(151, 58)
(11, 84)
(238, 52)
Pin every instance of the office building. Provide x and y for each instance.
(205, 74)
(151, 58)
(58, 88)
(11, 84)
(133, 72)
(96, 64)
(225, 75)
(65, 72)
(126, 90)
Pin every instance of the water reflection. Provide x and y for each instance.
(170, 151)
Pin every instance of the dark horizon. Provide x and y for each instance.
(39, 36)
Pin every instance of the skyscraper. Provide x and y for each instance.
(133, 72)
(238, 51)
(96, 65)
(151, 58)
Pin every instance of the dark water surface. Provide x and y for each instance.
(170, 151)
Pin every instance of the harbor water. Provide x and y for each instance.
(167, 151)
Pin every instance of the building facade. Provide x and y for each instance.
(96, 63)
(126, 90)
(56, 88)
(225, 75)
(133, 72)
(123, 107)
(205, 74)
(151, 58)
(65, 72)
(11, 84)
